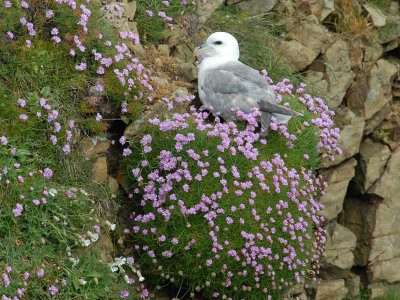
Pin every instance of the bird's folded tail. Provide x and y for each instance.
(277, 109)
(281, 113)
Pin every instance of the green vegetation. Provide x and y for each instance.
(48, 202)
(189, 163)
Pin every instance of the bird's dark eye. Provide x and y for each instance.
(218, 43)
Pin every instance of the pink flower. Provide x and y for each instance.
(124, 294)
(40, 273)
(28, 43)
(81, 67)
(127, 152)
(149, 13)
(98, 117)
(47, 173)
(53, 290)
(66, 149)
(23, 117)
(49, 14)
(144, 293)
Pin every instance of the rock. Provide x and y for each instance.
(112, 183)
(373, 158)
(133, 27)
(104, 247)
(378, 18)
(137, 127)
(356, 56)
(372, 52)
(357, 94)
(297, 54)
(351, 132)
(188, 71)
(338, 72)
(138, 49)
(206, 8)
(318, 84)
(297, 292)
(385, 248)
(93, 146)
(184, 53)
(339, 82)
(389, 32)
(130, 10)
(99, 170)
(388, 185)
(113, 16)
(377, 119)
(391, 46)
(353, 284)
(381, 289)
(389, 131)
(331, 290)
(380, 81)
(337, 57)
(181, 92)
(163, 49)
(359, 216)
(311, 34)
(338, 179)
(385, 270)
(329, 7)
(338, 249)
(257, 7)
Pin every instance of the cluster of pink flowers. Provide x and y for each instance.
(19, 293)
(164, 183)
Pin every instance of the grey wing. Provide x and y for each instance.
(224, 90)
(236, 85)
(266, 96)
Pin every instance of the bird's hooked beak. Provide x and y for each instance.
(202, 50)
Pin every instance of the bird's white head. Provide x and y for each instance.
(221, 45)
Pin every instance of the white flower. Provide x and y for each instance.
(82, 281)
(93, 236)
(126, 278)
(113, 268)
(110, 226)
(53, 192)
(74, 261)
(119, 261)
(86, 243)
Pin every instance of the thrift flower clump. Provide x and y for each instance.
(226, 210)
